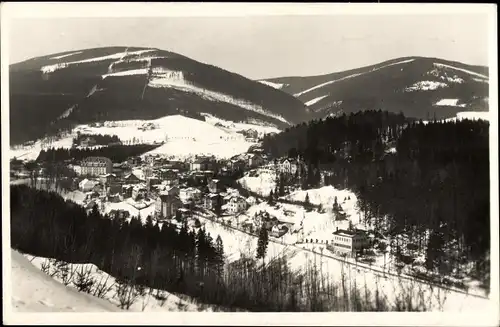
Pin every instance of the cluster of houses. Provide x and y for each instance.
(175, 188)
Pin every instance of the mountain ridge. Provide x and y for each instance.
(116, 83)
(410, 84)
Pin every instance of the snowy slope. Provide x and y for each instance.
(31, 152)
(110, 301)
(34, 291)
(261, 128)
(183, 136)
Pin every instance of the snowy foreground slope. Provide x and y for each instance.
(34, 291)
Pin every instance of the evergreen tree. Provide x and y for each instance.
(307, 202)
(281, 190)
(149, 222)
(270, 199)
(218, 206)
(435, 252)
(219, 248)
(262, 243)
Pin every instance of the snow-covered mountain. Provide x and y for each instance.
(53, 92)
(417, 86)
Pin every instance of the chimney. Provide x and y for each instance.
(337, 228)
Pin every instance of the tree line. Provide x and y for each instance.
(429, 181)
(99, 139)
(117, 153)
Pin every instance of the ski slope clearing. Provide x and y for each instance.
(461, 69)
(66, 55)
(175, 79)
(119, 55)
(313, 101)
(34, 291)
(351, 76)
(275, 85)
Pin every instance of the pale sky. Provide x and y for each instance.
(266, 46)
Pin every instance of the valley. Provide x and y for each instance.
(192, 188)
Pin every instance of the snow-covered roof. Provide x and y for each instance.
(347, 233)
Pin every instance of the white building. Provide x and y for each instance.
(288, 166)
(348, 242)
(190, 193)
(96, 166)
(251, 201)
(236, 204)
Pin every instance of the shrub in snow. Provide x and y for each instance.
(83, 280)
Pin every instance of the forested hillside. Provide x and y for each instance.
(429, 181)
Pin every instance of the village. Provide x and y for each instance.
(159, 188)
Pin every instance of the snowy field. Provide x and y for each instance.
(34, 290)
